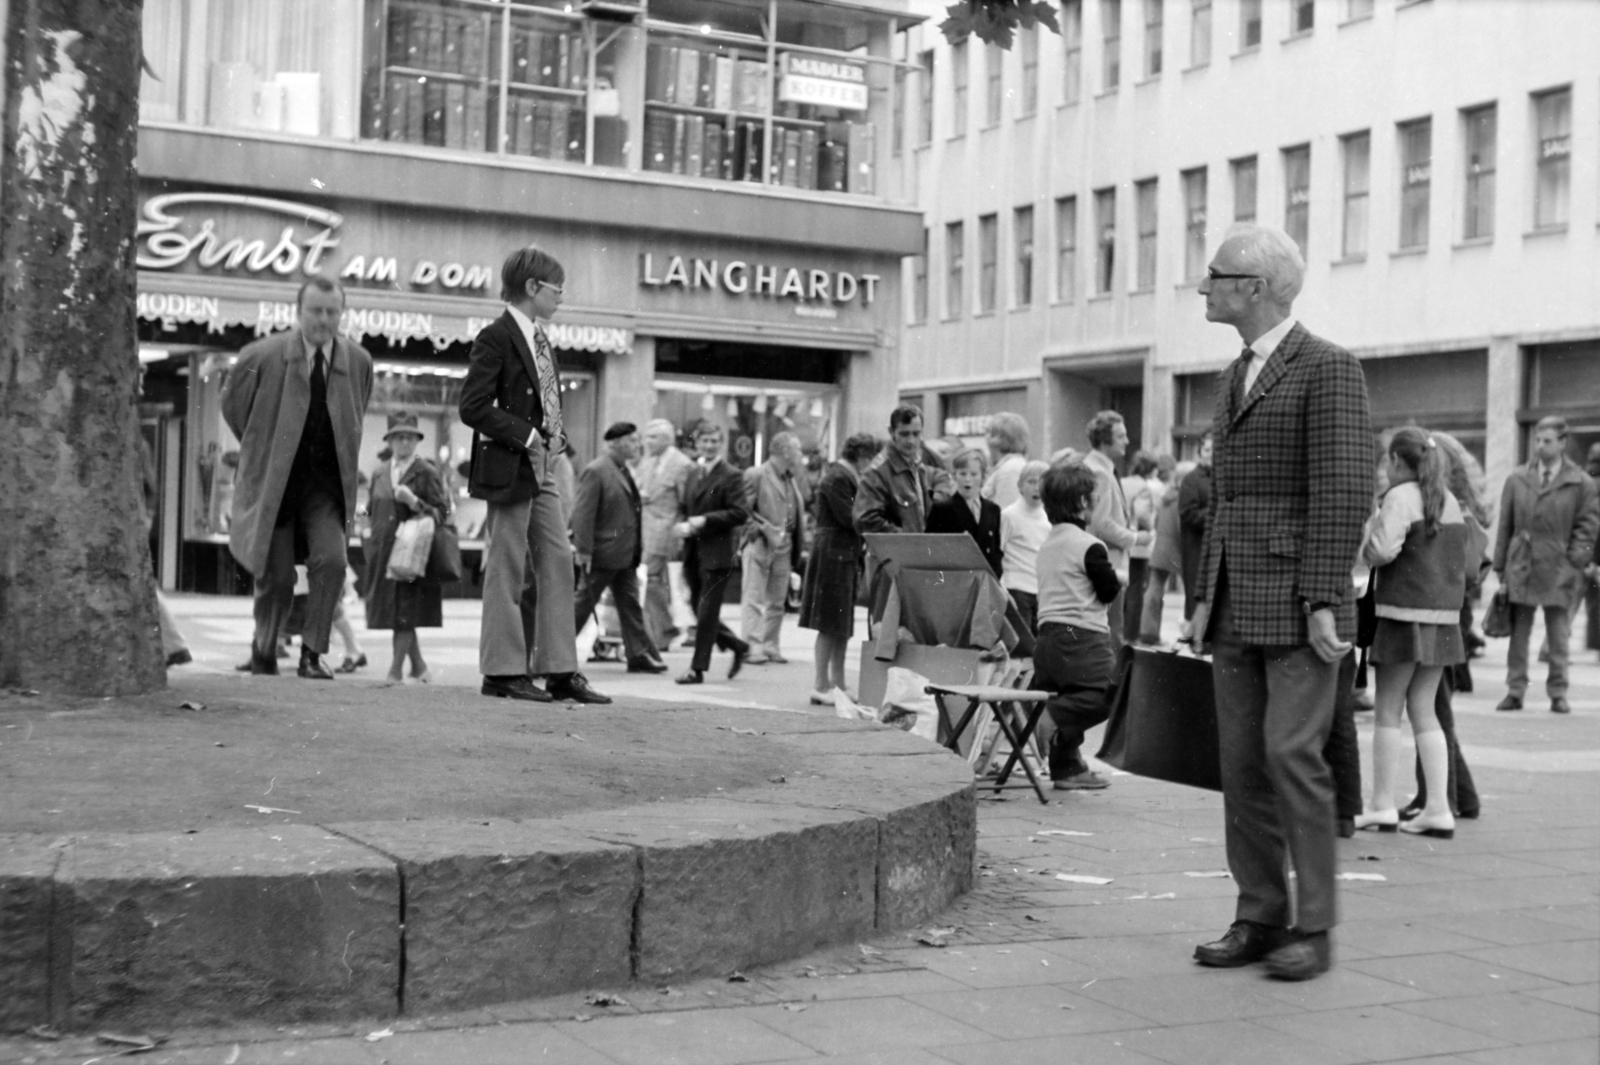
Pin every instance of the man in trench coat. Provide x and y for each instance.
(1549, 514)
(296, 402)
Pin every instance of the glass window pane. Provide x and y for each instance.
(1105, 224)
(1200, 33)
(1553, 152)
(958, 90)
(1480, 137)
(280, 66)
(1357, 177)
(988, 262)
(1111, 44)
(1066, 248)
(1153, 18)
(1297, 194)
(1244, 189)
(925, 99)
(1022, 237)
(1416, 179)
(1072, 43)
(955, 254)
(1194, 221)
(1249, 23)
(1145, 204)
(994, 73)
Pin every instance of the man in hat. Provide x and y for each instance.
(296, 402)
(606, 537)
(512, 400)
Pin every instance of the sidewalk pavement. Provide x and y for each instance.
(1481, 949)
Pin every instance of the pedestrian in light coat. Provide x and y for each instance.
(777, 496)
(296, 401)
(1549, 515)
(662, 473)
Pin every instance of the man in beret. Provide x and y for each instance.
(606, 539)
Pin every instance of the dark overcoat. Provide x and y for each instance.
(605, 516)
(718, 496)
(1546, 534)
(833, 572)
(402, 604)
(1292, 483)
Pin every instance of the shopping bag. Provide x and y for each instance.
(1163, 721)
(1497, 618)
(444, 555)
(408, 558)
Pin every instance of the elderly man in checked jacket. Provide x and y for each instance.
(1292, 486)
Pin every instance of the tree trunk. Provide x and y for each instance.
(77, 594)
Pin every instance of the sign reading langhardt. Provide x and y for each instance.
(183, 227)
(816, 291)
(811, 79)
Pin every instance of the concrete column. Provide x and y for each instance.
(627, 386)
(1502, 433)
(872, 390)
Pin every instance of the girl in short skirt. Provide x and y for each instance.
(1417, 546)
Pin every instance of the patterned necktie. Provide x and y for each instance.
(1249, 358)
(549, 389)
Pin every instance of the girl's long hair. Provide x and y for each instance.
(1465, 479)
(1418, 450)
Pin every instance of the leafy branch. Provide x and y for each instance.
(996, 21)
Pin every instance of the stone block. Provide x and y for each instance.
(502, 910)
(286, 923)
(32, 986)
(727, 885)
(926, 855)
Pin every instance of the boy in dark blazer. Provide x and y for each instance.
(714, 501)
(605, 535)
(512, 400)
(967, 511)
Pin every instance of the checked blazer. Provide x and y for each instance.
(1293, 474)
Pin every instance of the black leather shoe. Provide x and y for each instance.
(1245, 942)
(350, 665)
(180, 657)
(312, 667)
(1558, 705)
(738, 662)
(646, 665)
(691, 676)
(1302, 956)
(518, 687)
(1510, 702)
(574, 688)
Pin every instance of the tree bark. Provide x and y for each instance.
(77, 593)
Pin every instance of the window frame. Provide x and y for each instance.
(1416, 182)
(1302, 18)
(919, 280)
(960, 69)
(1249, 24)
(1297, 214)
(1147, 216)
(1110, 45)
(1153, 34)
(1028, 58)
(1066, 257)
(994, 86)
(1022, 256)
(1200, 32)
(1195, 216)
(1105, 241)
(1552, 159)
(1237, 169)
(925, 98)
(1355, 200)
(1071, 52)
(988, 300)
(955, 269)
(1479, 181)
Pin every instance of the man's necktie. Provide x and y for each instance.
(1245, 382)
(549, 389)
(1546, 473)
(319, 379)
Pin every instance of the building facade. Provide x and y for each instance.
(718, 179)
(1436, 160)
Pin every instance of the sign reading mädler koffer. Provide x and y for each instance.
(809, 79)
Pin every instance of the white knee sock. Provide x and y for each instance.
(1435, 755)
(1386, 752)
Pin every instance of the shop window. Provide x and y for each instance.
(1416, 181)
(753, 411)
(1194, 224)
(955, 262)
(1105, 228)
(958, 89)
(988, 262)
(1302, 16)
(1066, 248)
(1552, 180)
(1562, 377)
(967, 415)
(1357, 151)
(1028, 91)
(1022, 238)
(1200, 33)
(1446, 390)
(1154, 16)
(925, 99)
(1479, 129)
(1297, 194)
(1249, 24)
(1110, 44)
(994, 94)
(1072, 51)
(1144, 198)
(1243, 173)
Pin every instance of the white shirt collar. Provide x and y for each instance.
(1268, 342)
(311, 351)
(526, 324)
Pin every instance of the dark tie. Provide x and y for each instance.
(319, 380)
(1546, 474)
(1244, 374)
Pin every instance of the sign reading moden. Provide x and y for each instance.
(740, 278)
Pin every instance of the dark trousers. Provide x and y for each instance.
(624, 585)
(1341, 752)
(1274, 713)
(318, 517)
(1133, 598)
(1028, 607)
(1459, 789)
(1074, 665)
(706, 587)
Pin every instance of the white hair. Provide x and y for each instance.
(1270, 252)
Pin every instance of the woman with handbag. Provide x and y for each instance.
(406, 488)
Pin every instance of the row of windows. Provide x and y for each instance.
(1300, 20)
(1551, 160)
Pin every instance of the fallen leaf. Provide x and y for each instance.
(1061, 832)
(581, 1017)
(191, 705)
(575, 736)
(601, 998)
(140, 1041)
(1073, 878)
(868, 951)
(793, 1007)
(1166, 895)
(1064, 1006)
(1031, 917)
(382, 1033)
(1045, 962)
(745, 732)
(737, 977)
(268, 809)
(931, 941)
(1361, 876)
(1211, 874)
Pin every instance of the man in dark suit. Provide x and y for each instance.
(606, 537)
(1292, 486)
(512, 401)
(714, 501)
(296, 402)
